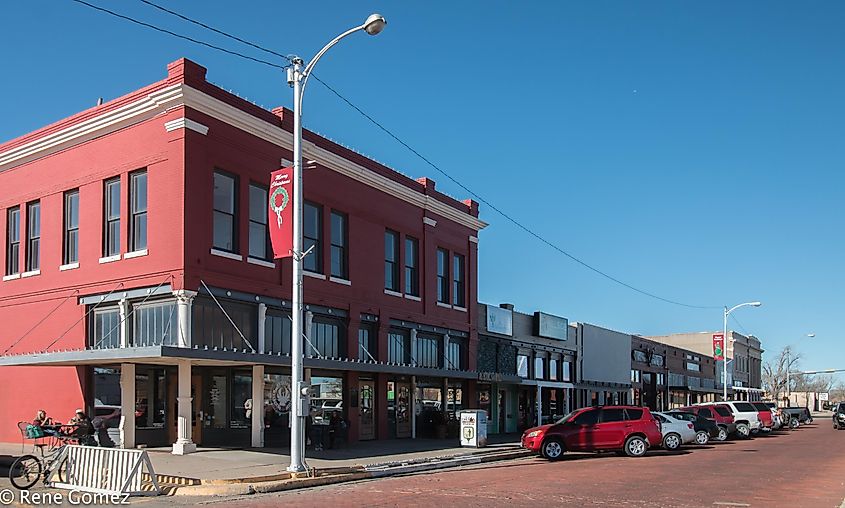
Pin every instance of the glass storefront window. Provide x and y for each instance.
(155, 324)
(539, 368)
(398, 346)
(217, 397)
(522, 366)
(553, 369)
(326, 338)
(150, 399)
(106, 329)
(277, 328)
(326, 398)
(428, 351)
(567, 371)
(484, 399)
(241, 401)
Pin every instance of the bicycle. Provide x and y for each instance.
(26, 470)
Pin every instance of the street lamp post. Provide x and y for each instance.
(725, 359)
(297, 77)
(788, 394)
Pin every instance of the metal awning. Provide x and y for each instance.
(170, 355)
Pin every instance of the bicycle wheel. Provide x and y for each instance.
(25, 472)
(61, 472)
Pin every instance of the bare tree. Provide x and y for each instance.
(774, 373)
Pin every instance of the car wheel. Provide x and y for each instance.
(723, 434)
(793, 423)
(552, 449)
(743, 430)
(702, 437)
(635, 446)
(672, 441)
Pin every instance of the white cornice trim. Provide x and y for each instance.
(473, 239)
(160, 101)
(185, 123)
(428, 221)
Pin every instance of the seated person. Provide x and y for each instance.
(84, 430)
(45, 423)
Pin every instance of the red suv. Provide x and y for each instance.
(719, 413)
(593, 429)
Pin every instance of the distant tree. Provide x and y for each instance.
(774, 373)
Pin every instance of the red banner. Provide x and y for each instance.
(719, 346)
(280, 211)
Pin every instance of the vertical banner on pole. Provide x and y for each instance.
(280, 210)
(718, 346)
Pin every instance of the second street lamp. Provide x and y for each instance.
(298, 78)
(727, 342)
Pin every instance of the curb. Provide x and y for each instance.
(246, 487)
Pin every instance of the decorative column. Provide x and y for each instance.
(183, 304)
(258, 406)
(127, 405)
(123, 312)
(262, 318)
(413, 352)
(184, 425)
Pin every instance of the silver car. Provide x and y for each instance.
(675, 432)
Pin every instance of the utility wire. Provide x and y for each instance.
(396, 138)
(740, 325)
(180, 36)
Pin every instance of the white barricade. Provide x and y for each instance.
(103, 471)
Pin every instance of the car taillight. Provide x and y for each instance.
(689, 425)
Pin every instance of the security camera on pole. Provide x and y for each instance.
(297, 77)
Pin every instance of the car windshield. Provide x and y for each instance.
(567, 417)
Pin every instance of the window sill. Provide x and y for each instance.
(31, 273)
(338, 280)
(12, 277)
(135, 254)
(69, 266)
(459, 309)
(314, 275)
(444, 305)
(392, 293)
(110, 259)
(260, 262)
(414, 298)
(227, 255)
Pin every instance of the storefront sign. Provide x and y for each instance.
(719, 346)
(490, 377)
(551, 327)
(499, 320)
(280, 210)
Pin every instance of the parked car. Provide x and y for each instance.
(704, 429)
(767, 417)
(628, 429)
(798, 415)
(746, 417)
(839, 416)
(675, 431)
(718, 413)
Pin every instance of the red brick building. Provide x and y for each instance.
(138, 280)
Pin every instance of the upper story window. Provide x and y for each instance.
(225, 212)
(522, 366)
(258, 233)
(138, 209)
(568, 374)
(455, 354)
(412, 260)
(111, 217)
(398, 347)
(13, 240)
(70, 243)
(326, 339)
(366, 344)
(458, 281)
(339, 255)
(277, 331)
(428, 351)
(33, 236)
(639, 356)
(553, 369)
(442, 276)
(105, 329)
(312, 228)
(693, 366)
(154, 324)
(539, 368)
(391, 260)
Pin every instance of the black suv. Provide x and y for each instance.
(839, 416)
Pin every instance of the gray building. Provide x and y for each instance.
(527, 367)
(604, 364)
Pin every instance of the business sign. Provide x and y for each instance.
(551, 327)
(823, 396)
(719, 346)
(280, 210)
(499, 320)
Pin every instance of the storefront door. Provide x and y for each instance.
(403, 409)
(196, 408)
(366, 408)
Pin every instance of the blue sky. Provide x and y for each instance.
(694, 150)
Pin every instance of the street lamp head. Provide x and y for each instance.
(811, 335)
(374, 24)
(756, 304)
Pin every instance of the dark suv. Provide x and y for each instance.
(606, 428)
(839, 416)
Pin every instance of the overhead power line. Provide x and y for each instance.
(396, 138)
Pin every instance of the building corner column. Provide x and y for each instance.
(262, 318)
(123, 313)
(184, 300)
(257, 409)
(127, 405)
(184, 424)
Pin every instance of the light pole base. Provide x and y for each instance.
(296, 469)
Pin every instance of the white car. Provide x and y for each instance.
(675, 432)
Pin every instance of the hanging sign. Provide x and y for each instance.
(280, 210)
(718, 346)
